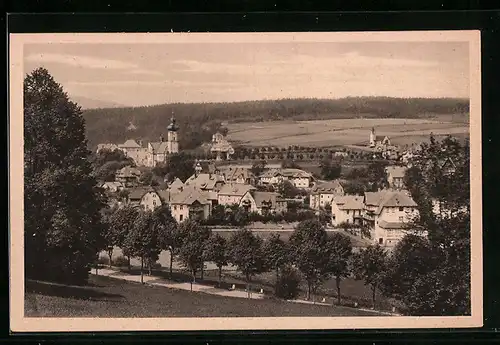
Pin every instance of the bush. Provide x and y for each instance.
(120, 261)
(287, 286)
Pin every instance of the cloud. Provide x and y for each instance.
(341, 66)
(90, 62)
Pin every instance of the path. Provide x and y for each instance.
(329, 304)
(157, 281)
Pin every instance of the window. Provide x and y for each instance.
(175, 207)
(401, 218)
(347, 212)
(401, 209)
(181, 217)
(380, 241)
(181, 207)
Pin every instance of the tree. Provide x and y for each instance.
(276, 253)
(144, 240)
(289, 163)
(216, 251)
(330, 170)
(308, 252)
(168, 231)
(146, 178)
(287, 189)
(63, 229)
(377, 175)
(339, 251)
(369, 265)
(178, 165)
(288, 283)
(245, 252)
(121, 224)
(443, 198)
(193, 240)
(258, 167)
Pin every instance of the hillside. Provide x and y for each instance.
(198, 121)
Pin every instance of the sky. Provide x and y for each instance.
(139, 74)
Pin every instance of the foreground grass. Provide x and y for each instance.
(108, 297)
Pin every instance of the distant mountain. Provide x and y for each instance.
(198, 121)
(89, 103)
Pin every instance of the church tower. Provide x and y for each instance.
(172, 140)
(372, 137)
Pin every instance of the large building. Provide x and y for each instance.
(323, 193)
(154, 153)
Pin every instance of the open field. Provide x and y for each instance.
(322, 133)
(108, 297)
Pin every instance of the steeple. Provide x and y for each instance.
(172, 127)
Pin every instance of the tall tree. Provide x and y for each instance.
(245, 252)
(179, 165)
(193, 240)
(258, 167)
(216, 251)
(369, 265)
(276, 253)
(63, 229)
(121, 224)
(308, 252)
(330, 170)
(144, 241)
(339, 251)
(168, 231)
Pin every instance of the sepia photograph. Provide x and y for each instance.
(203, 181)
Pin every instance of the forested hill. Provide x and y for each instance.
(198, 121)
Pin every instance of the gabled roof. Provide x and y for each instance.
(129, 144)
(349, 202)
(327, 187)
(204, 181)
(235, 189)
(396, 171)
(164, 194)
(287, 172)
(176, 184)
(389, 198)
(139, 192)
(112, 184)
(264, 197)
(188, 196)
(392, 225)
(233, 173)
(159, 146)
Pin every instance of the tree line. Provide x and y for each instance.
(199, 121)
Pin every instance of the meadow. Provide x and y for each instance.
(108, 297)
(334, 132)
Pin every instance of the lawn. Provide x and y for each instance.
(108, 297)
(322, 133)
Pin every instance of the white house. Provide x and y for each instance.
(388, 214)
(263, 202)
(113, 187)
(322, 193)
(189, 203)
(207, 182)
(347, 209)
(147, 198)
(231, 194)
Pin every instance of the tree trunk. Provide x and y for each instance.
(308, 296)
(248, 285)
(193, 273)
(220, 275)
(110, 255)
(373, 295)
(338, 290)
(129, 266)
(202, 270)
(277, 274)
(149, 267)
(142, 268)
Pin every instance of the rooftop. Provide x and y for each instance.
(235, 189)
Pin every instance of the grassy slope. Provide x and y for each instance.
(107, 297)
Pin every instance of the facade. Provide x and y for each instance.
(388, 213)
(128, 176)
(263, 202)
(323, 193)
(347, 209)
(135, 151)
(189, 203)
(231, 194)
(299, 178)
(395, 176)
(221, 147)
